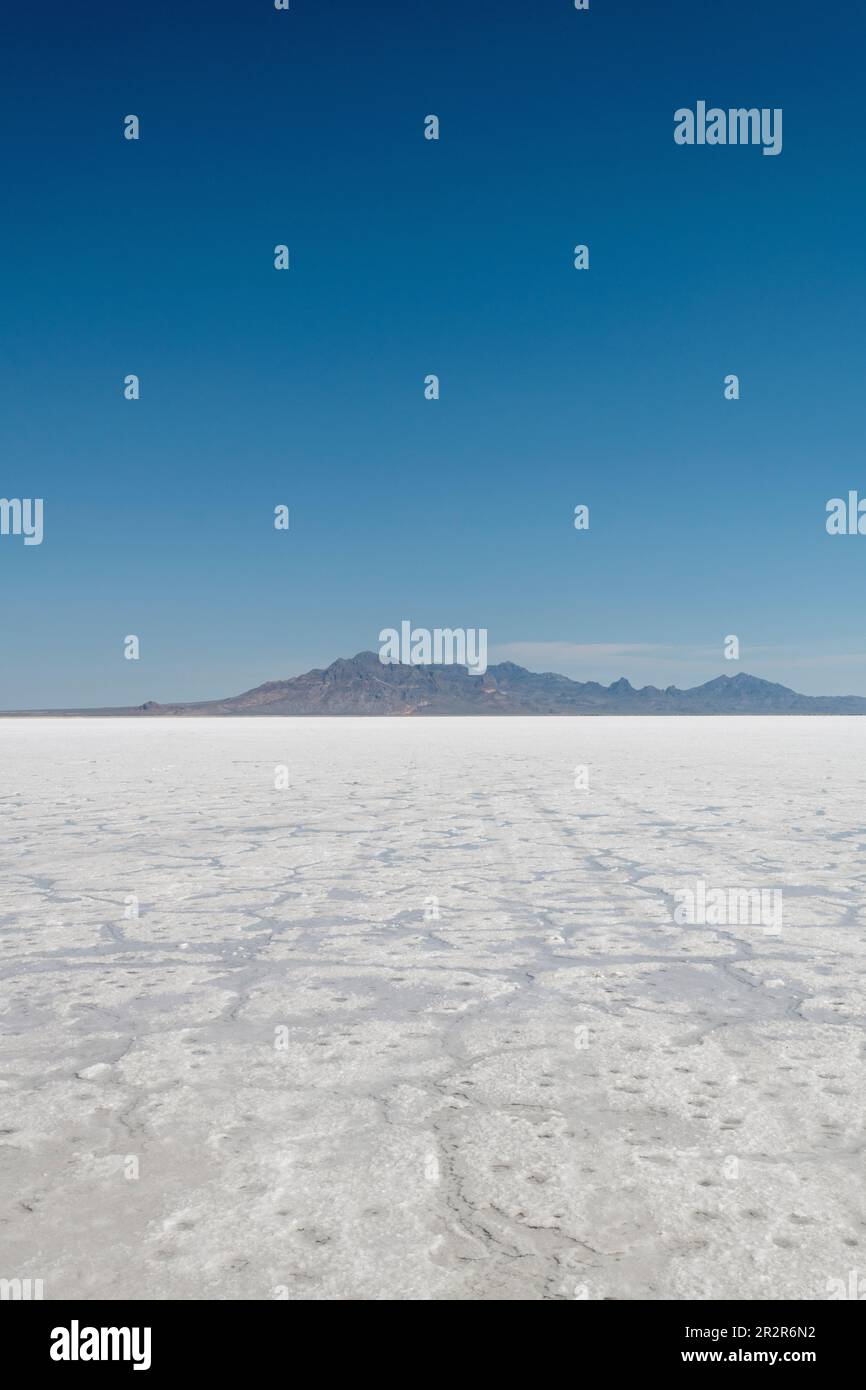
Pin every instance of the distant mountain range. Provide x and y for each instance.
(361, 685)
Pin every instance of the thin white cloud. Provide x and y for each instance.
(555, 656)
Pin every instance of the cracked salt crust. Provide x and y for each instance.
(539, 1094)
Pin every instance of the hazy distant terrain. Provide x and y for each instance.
(420, 1024)
(363, 685)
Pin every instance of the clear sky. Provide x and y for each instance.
(409, 257)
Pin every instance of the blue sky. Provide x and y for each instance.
(411, 257)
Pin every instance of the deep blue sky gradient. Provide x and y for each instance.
(410, 257)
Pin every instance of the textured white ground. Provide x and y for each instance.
(550, 1092)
